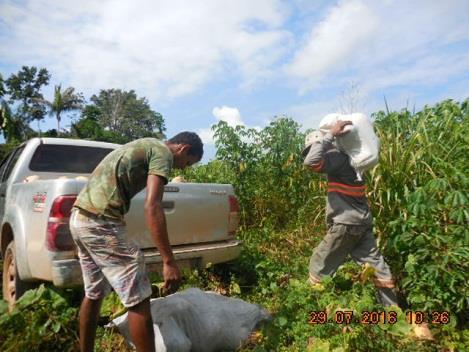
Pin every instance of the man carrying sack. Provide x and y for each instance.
(348, 216)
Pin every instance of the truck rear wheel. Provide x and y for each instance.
(13, 286)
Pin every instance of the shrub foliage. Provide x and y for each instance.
(418, 194)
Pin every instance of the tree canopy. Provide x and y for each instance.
(2, 86)
(113, 115)
(66, 100)
(122, 117)
(25, 88)
(19, 104)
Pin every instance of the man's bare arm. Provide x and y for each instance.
(156, 222)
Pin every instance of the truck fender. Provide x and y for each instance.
(14, 218)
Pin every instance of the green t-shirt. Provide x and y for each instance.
(122, 174)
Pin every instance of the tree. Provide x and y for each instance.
(24, 87)
(2, 87)
(63, 101)
(123, 116)
(14, 128)
(88, 127)
(2, 103)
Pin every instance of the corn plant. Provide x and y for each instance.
(419, 193)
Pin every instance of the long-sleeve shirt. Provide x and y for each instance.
(346, 198)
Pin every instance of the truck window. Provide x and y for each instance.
(3, 165)
(10, 164)
(67, 158)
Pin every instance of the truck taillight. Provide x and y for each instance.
(62, 206)
(233, 218)
(58, 236)
(234, 205)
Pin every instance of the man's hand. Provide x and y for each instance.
(172, 277)
(338, 128)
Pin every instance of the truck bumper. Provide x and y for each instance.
(67, 272)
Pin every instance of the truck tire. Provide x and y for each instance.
(13, 287)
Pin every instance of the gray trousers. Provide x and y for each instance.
(358, 241)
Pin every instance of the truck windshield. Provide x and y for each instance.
(67, 158)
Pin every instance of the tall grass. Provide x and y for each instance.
(419, 193)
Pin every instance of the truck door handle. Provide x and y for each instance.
(168, 204)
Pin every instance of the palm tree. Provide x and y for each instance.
(66, 100)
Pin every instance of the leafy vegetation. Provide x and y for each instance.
(42, 320)
(19, 95)
(118, 116)
(113, 115)
(418, 195)
(266, 170)
(66, 100)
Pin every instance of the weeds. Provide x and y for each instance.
(418, 195)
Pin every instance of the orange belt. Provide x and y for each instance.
(318, 166)
(354, 191)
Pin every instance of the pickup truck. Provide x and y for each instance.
(39, 182)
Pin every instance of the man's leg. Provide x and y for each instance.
(141, 326)
(96, 285)
(89, 314)
(108, 260)
(123, 265)
(331, 252)
(367, 252)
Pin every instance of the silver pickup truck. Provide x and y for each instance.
(39, 182)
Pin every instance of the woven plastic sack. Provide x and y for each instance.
(193, 320)
(361, 143)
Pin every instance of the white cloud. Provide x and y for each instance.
(162, 49)
(206, 135)
(230, 115)
(225, 113)
(332, 42)
(167, 49)
(383, 44)
(428, 71)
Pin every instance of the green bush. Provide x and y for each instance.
(42, 320)
(266, 170)
(418, 195)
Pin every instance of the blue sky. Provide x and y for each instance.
(245, 61)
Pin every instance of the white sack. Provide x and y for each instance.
(361, 143)
(193, 320)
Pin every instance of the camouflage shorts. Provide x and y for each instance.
(108, 261)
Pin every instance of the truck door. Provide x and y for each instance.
(5, 170)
